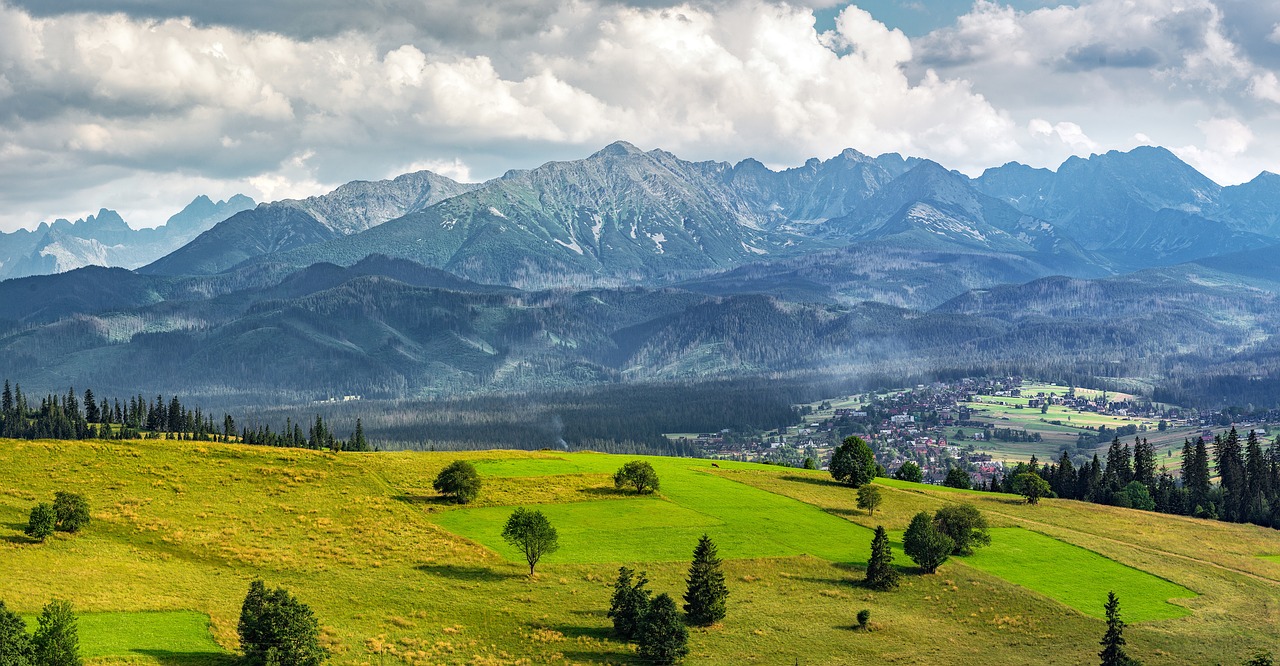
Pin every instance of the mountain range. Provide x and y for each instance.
(106, 240)
(638, 266)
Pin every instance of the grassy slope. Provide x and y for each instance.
(180, 526)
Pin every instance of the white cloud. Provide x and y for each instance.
(1162, 69)
(100, 107)
(1068, 133)
(729, 80)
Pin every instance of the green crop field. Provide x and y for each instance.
(397, 576)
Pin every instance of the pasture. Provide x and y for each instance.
(396, 576)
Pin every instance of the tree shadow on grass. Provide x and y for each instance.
(812, 480)
(600, 657)
(472, 574)
(848, 512)
(170, 658)
(433, 500)
(575, 632)
(609, 492)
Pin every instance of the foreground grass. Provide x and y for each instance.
(184, 527)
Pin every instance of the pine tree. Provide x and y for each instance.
(1113, 653)
(704, 600)
(880, 572)
(1257, 481)
(1144, 462)
(358, 442)
(1230, 462)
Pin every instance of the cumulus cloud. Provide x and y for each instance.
(113, 95)
(126, 103)
(1162, 69)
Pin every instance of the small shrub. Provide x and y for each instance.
(864, 616)
(41, 522)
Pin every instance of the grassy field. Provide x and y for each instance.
(745, 522)
(181, 528)
(1075, 576)
(154, 634)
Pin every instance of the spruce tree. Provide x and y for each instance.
(1230, 463)
(1144, 462)
(880, 572)
(662, 638)
(704, 600)
(629, 604)
(1113, 642)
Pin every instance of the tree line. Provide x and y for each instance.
(1247, 491)
(83, 416)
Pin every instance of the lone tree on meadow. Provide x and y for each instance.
(15, 644)
(925, 545)
(853, 463)
(704, 601)
(629, 604)
(966, 526)
(41, 522)
(459, 481)
(869, 498)
(957, 478)
(909, 472)
(278, 630)
(1113, 653)
(636, 474)
(56, 641)
(71, 512)
(880, 572)
(532, 533)
(662, 638)
(1031, 487)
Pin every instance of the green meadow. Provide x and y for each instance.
(150, 634)
(398, 576)
(1075, 576)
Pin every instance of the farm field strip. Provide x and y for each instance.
(156, 633)
(1076, 576)
(745, 522)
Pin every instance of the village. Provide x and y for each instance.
(979, 425)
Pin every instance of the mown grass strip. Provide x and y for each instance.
(1077, 577)
(178, 634)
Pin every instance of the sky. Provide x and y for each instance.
(141, 105)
